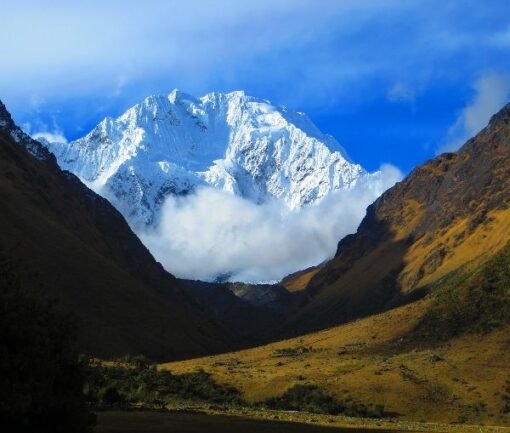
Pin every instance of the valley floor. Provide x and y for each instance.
(249, 421)
(182, 422)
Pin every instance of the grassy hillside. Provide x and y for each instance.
(439, 359)
(298, 281)
(450, 212)
(476, 300)
(371, 361)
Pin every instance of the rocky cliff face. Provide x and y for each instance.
(8, 127)
(449, 213)
(234, 142)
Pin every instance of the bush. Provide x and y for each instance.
(112, 397)
(310, 398)
(142, 382)
(475, 301)
(292, 351)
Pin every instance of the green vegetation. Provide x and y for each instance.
(135, 381)
(311, 398)
(292, 351)
(41, 377)
(476, 301)
(506, 399)
(138, 381)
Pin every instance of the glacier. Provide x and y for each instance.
(172, 145)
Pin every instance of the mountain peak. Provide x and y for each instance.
(239, 94)
(6, 121)
(32, 146)
(177, 95)
(230, 141)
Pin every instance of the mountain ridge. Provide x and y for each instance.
(72, 245)
(234, 142)
(448, 213)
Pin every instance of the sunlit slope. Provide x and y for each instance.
(451, 212)
(441, 358)
(298, 281)
(372, 360)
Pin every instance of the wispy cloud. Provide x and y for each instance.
(501, 38)
(294, 48)
(52, 137)
(40, 130)
(355, 66)
(401, 92)
(492, 92)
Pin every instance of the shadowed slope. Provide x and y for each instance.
(69, 242)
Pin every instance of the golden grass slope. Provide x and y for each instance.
(374, 361)
(298, 281)
(450, 212)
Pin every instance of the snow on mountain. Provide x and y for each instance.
(170, 145)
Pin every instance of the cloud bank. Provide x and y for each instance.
(492, 92)
(213, 233)
(43, 131)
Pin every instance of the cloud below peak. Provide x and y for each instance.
(214, 233)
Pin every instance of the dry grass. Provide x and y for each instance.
(462, 246)
(373, 361)
(300, 281)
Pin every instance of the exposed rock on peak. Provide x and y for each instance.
(173, 144)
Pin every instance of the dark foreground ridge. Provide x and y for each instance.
(71, 244)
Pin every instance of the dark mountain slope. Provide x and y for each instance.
(72, 244)
(452, 212)
(253, 313)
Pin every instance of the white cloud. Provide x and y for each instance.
(291, 49)
(52, 137)
(492, 92)
(81, 56)
(214, 233)
(501, 39)
(401, 92)
(40, 130)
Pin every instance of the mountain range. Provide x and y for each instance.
(415, 303)
(447, 216)
(413, 312)
(172, 145)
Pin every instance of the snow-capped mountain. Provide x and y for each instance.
(176, 143)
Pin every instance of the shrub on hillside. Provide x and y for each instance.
(506, 399)
(310, 398)
(476, 301)
(139, 381)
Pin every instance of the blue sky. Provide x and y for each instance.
(394, 81)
